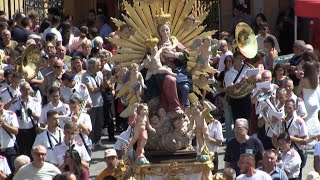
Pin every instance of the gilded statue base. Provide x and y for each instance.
(173, 171)
(156, 157)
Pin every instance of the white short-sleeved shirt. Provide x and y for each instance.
(95, 81)
(49, 140)
(4, 167)
(297, 128)
(79, 90)
(60, 150)
(232, 74)
(291, 163)
(60, 108)
(54, 31)
(8, 93)
(83, 118)
(215, 132)
(24, 121)
(10, 118)
(259, 175)
(47, 171)
(301, 108)
(222, 66)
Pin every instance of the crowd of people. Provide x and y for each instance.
(51, 122)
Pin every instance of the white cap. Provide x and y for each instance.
(110, 152)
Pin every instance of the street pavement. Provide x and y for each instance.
(98, 164)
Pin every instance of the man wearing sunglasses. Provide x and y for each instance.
(38, 168)
(263, 34)
(54, 77)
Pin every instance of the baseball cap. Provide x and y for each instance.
(110, 152)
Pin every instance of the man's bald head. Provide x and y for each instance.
(39, 148)
(21, 161)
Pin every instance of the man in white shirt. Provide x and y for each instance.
(70, 131)
(11, 93)
(54, 23)
(28, 110)
(38, 168)
(93, 79)
(225, 52)
(72, 88)
(263, 29)
(235, 77)
(246, 164)
(52, 136)
(55, 104)
(83, 120)
(8, 130)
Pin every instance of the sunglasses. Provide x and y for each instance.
(40, 154)
(58, 67)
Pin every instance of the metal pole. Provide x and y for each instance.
(295, 28)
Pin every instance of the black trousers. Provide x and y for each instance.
(241, 108)
(215, 163)
(25, 140)
(11, 155)
(109, 114)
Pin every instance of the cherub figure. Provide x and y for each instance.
(189, 23)
(162, 114)
(201, 84)
(198, 113)
(136, 81)
(153, 61)
(205, 52)
(125, 31)
(140, 134)
(155, 121)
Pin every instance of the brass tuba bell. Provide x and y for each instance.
(246, 40)
(29, 63)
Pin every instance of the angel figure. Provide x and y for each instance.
(136, 81)
(201, 84)
(189, 23)
(125, 31)
(198, 113)
(140, 134)
(153, 61)
(205, 52)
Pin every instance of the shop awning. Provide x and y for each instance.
(307, 8)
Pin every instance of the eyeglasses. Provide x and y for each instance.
(40, 154)
(58, 67)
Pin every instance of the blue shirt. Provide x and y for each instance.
(105, 31)
(277, 174)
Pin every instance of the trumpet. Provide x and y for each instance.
(264, 98)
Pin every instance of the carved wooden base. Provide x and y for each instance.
(174, 171)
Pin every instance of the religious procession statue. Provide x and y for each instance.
(158, 62)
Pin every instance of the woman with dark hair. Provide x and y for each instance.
(72, 164)
(221, 100)
(44, 25)
(77, 68)
(272, 53)
(260, 17)
(307, 90)
(278, 75)
(290, 157)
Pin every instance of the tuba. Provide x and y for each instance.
(246, 43)
(29, 63)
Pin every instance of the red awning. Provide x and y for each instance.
(307, 8)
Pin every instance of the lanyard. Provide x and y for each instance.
(58, 142)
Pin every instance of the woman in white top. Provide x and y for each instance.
(290, 157)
